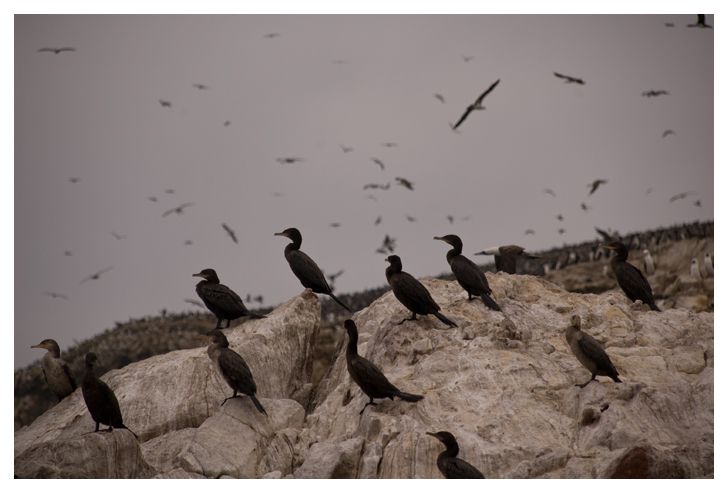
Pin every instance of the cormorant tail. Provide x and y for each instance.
(490, 302)
(253, 315)
(124, 426)
(410, 397)
(339, 302)
(257, 403)
(444, 319)
(616, 379)
(654, 308)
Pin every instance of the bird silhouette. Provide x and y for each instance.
(653, 93)
(569, 79)
(669, 24)
(96, 276)
(74, 180)
(346, 149)
(230, 232)
(439, 96)
(594, 185)
(467, 58)
(56, 295)
(289, 160)
(334, 225)
(585, 207)
(178, 210)
(559, 217)
(668, 132)
(57, 50)
(200, 86)
(450, 219)
(405, 183)
(379, 220)
(550, 192)
(529, 232)
(477, 105)
(169, 190)
(390, 144)
(411, 219)
(165, 103)
(376, 185)
(377, 161)
(271, 35)
(681, 196)
(226, 124)
(194, 302)
(118, 236)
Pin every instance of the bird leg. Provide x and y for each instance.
(413, 317)
(234, 396)
(228, 324)
(219, 323)
(371, 401)
(594, 377)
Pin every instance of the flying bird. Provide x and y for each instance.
(467, 58)
(165, 103)
(333, 277)
(507, 256)
(377, 161)
(439, 96)
(230, 232)
(529, 232)
(96, 276)
(153, 199)
(200, 86)
(585, 207)
(681, 196)
(226, 124)
(649, 190)
(697, 203)
(569, 79)
(653, 93)
(74, 180)
(56, 295)
(178, 210)
(701, 22)
(188, 242)
(57, 50)
(668, 132)
(289, 160)
(376, 185)
(118, 236)
(389, 244)
(669, 24)
(379, 220)
(450, 219)
(346, 149)
(559, 217)
(390, 144)
(67, 253)
(169, 190)
(594, 185)
(335, 225)
(561, 231)
(271, 35)
(476, 106)
(405, 183)
(411, 219)
(549, 191)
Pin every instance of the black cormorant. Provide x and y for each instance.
(367, 376)
(594, 185)
(100, 399)
(304, 267)
(412, 293)
(506, 257)
(589, 352)
(58, 375)
(447, 462)
(477, 105)
(232, 367)
(470, 277)
(630, 278)
(222, 301)
(570, 79)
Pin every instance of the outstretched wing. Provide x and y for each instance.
(480, 99)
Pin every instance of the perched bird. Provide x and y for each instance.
(630, 278)
(165, 103)
(179, 210)
(506, 257)
(589, 352)
(405, 183)
(222, 301)
(477, 105)
(412, 293)
(380, 163)
(700, 23)
(708, 264)
(529, 232)
(57, 50)
(232, 368)
(367, 376)
(695, 269)
(681, 196)
(118, 236)
(289, 160)
(346, 149)
(569, 79)
(58, 375)
(230, 232)
(447, 462)
(668, 132)
(439, 96)
(390, 144)
(100, 400)
(468, 275)
(304, 267)
(200, 86)
(652, 93)
(56, 295)
(550, 192)
(649, 263)
(96, 276)
(595, 184)
(585, 207)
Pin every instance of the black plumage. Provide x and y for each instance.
(589, 352)
(470, 277)
(447, 462)
(222, 301)
(58, 375)
(477, 105)
(630, 278)
(305, 268)
(233, 368)
(412, 293)
(100, 399)
(367, 376)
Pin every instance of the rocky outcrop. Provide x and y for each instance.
(502, 383)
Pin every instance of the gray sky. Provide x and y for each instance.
(94, 114)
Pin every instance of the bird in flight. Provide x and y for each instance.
(411, 219)
(118, 236)
(376, 185)
(153, 199)
(289, 160)
(379, 220)
(56, 295)
(562, 231)
(390, 144)
(450, 219)
(569, 79)
(377, 161)
(550, 192)
(67, 253)
(405, 183)
(387, 244)
(169, 190)
(529, 232)
(346, 149)
(226, 124)
(697, 203)
(332, 277)
(57, 50)
(477, 105)
(96, 276)
(595, 184)
(585, 207)
(74, 180)
(178, 210)
(669, 24)
(559, 217)
(701, 22)
(439, 96)
(334, 225)
(681, 196)
(200, 86)
(467, 58)
(271, 35)
(165, 103)
(230, 232)
(188, 242)
(652, 93)
(668, 132)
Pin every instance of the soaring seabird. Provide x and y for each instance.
(681, 196)
(165, 103)
(668, 132)
(475, 106)
(569, 79)
(595, 184)
(378, 162)
(56, 295)
(289, 160)
(57, 50)
(179, 210)
(96, 276)
(405, 183)
(589, 352)
(200, 86)
(506, 256)
(652, 93)
(549, 191)
(439, 96)
(230, 232)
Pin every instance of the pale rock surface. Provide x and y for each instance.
(502, 383)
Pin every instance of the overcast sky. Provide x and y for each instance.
(323, 82)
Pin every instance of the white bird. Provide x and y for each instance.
(708, 264)
(695, 268)
(649, 263)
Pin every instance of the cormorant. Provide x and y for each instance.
(222, 301)
(100, 399)
(681, 196)
(57, 50)
(595, 184)
(58, 375)
(232, 367)
(179, 210)
(630, 278)
(412, 293)
(304, 268)
(652, 93)
(447, 462)
(96, 276)
(589, 352)
(367, 376)
(506, 257)
(477, 105)
(569, 79)
(649, 262)
(470, 277)
(700, 23)
(405, 183)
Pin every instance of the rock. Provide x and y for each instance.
(332, 460)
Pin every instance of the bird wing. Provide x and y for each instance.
(633, 282)
(560, 76)
(462, 118)
(408, 289)
(223, 297)
(236, 371)
(47, 49)
(459, 469)
(70, 375)
(370, 378)
(308, 272)
(594, 351)
(167, 213)
(469, 276)
(487, 91)
(66, 49)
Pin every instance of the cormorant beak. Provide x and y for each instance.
(607, 247)
(199, 274)
(441, 239)
(42, 346)
(280, 234)
(433, 435)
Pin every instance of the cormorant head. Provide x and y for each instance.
(395, 261)
(48, 344)
(576, 322)
(453, 240)
(445, 437)
(291, 233)
(91, 359)
(619, 248)
(208, 275)
(217, 337)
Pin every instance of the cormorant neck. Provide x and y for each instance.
(353, 339)
(451, 451)
(451, 254)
